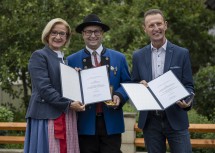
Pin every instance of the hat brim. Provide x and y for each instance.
(81, 26)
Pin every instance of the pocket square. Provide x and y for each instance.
(175, 67)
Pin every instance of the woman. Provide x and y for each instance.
(51, 119)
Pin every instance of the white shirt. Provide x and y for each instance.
(60, 55)
(158, 59)
(98, 51)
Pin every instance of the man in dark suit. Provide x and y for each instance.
(149, 63)
(100, 126)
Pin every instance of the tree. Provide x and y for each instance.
(21, 35)
(205, 92)
(188, 25)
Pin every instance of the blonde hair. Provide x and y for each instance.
(50, 25)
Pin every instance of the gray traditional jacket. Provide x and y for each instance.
(46, 100)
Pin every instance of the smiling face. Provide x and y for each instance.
(155, 27)
(58, 36)
(92, 36)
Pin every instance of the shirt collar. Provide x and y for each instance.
(163, 47)
(59, 54)
(98, 50)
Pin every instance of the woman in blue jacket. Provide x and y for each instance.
(51, 119)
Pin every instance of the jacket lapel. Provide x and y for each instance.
(168, 57)
(105, 58)
(86, 60)
(87, 63)
(148, 60)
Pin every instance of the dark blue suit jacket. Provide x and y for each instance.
(113, 117)
(46, 99)
(177, 59)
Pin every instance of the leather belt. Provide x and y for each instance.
(158, 113)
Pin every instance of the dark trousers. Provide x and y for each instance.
(101, 142)
(158, 130)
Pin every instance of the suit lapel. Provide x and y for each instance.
(148, 59)
(86, 60)
(168, 57)
(87, 63)
(105, 59)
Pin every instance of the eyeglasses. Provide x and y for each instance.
(90, 32)
(61, 34)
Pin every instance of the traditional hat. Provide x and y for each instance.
(91, 19)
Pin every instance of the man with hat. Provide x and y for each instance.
(100, 126)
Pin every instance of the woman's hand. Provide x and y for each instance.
(77, 106)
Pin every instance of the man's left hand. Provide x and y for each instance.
(116, 100)
(183, 104)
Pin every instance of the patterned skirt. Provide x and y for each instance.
(40, 135)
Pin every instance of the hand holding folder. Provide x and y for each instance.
(161, 92)
(87, 86)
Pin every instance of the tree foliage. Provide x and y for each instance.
(6, 115)
(205, 92)
(22, 22)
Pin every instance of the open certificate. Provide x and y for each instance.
(87, 86)
(161, 92)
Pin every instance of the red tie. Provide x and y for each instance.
(98, 105)
(95, 59)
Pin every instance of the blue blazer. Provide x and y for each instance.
(113, 117)
(46, 100)
(177, 59)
